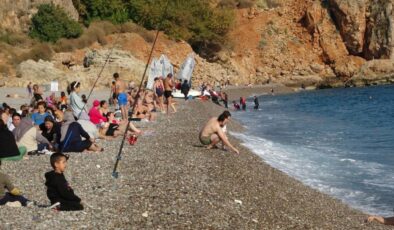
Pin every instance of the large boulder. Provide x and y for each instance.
(374, 72)
(324, 33)
(379, 30)
(42, 72)
(350, 18)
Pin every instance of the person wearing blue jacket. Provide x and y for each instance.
(71, 136)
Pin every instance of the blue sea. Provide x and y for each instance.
(338, 141)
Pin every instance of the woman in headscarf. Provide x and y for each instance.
(51, 130)
(8, 147)
(77, 105)
(27, 135)
(71, 133)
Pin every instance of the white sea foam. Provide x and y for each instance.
(328, 173)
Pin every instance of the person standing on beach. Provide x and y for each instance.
(158, 89)
(30, 90)
(256, 103)
(120, 90)
(185, 87)
(242, 102)
(212, 133)
(76, 103)
(225, 99)
(168, 85)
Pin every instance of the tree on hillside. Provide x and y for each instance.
(204, 27)
(51, 23)
(111, 10)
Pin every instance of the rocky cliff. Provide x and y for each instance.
(297, 43)
(15, 15)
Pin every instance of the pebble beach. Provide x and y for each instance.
(168, 180)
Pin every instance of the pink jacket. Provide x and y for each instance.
(95, 116)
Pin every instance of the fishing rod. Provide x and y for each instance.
(94, 86)
(115, 174)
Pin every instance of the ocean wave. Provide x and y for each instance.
(328, 173)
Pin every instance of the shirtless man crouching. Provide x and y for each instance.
(120, 91)
(212, 132)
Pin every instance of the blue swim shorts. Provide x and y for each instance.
(122, 99)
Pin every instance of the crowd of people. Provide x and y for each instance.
(57, 125)
(219, 96)
(61, 125)
(66, 124)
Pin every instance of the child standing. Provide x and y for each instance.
(58, 189)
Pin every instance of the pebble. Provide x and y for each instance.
(192, 186)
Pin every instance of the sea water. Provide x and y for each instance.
(338, 141)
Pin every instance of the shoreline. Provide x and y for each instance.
(168, 180)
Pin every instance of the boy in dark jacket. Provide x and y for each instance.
(58, 189)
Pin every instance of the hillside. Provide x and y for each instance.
(296, 43)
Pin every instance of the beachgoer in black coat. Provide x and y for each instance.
(185, 88)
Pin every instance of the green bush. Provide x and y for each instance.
(197, 22)
(51, 23)
(95, 33)
(111, 10)
(194, 21)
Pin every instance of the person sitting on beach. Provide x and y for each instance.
(212, 133)
(6, 116)
(63, 101)
(51, 100)
(111, 128)
(114, 128)
(95, 116)
(13, 197)
(104, 108)
(59, 191)
(149, 101)
(29, 136)
(382, 220)
(76, 103)
(142, 111)
(51, 131)
(71, 132)
(120, 90)
(8, 146)
(87, 125)
(24, 110)
(39, 116)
